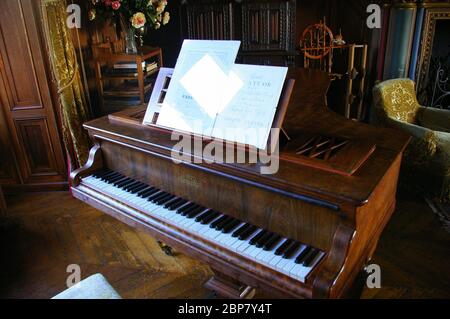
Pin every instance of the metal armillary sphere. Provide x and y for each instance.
(317, 41)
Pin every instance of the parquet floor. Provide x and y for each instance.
(45, 232)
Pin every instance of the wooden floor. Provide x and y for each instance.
(46, 232)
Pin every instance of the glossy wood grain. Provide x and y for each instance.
(341, 214)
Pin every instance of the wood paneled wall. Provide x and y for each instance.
(32, 156)
(267, 34)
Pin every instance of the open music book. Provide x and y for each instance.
(211, 96)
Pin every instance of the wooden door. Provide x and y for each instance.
(29, 133)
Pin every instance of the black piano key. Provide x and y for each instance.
(222, 224)
(190, 209)
(116, 183)
(115, 179)
(263, 240)
(165, 199)
(130, 186)
(137, 185)
(210, 218)
(310, 257)
(301, 257)
(138, 188)
(195, 212)
(157, 196)
(146, 192)
(109, 176)
(280, 250)
(105, 173)
(207, 217)
(163, 196)
(247, 233)
(230, 226)
(101, 172)
(185, 207)
(218, 221)
(169, 200)
(153, 191)
(173, 201)
(239, 231)
(203, 215)
(178, 204)
(272, 242)
(123, 182)
(291, 250)
(257, 237)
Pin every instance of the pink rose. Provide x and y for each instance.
(115, 5)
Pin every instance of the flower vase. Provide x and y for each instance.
(130, 41)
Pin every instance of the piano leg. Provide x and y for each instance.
(226, 287)
(357, 287)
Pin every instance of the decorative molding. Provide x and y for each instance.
(429, 26)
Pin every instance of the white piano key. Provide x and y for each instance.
(228, 239)
(243, 247)
(201, 229)
(286, 264)
(266, 256)
(212, 233)
(302, 272)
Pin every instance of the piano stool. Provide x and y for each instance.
(93, 287)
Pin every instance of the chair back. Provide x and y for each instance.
(396, 99)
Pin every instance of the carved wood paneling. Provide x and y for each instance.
(267, 26)
(21, 77)
(30, 133)
(212, 21)
(34, 137)
(431, 16)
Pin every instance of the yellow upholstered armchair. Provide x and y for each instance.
(428, 154)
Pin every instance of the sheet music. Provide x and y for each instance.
(195, 92)
(249, 104)
(158, 95)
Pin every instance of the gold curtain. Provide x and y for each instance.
(74, 110)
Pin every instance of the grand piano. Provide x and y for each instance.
(306, 231)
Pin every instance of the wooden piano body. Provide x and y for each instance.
(338, 200)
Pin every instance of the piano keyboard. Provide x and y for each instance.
(284, 255)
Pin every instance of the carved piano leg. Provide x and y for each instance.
(227, 287)
(166, 249)
(357, 287)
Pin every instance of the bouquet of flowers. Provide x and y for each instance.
(137, 15)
